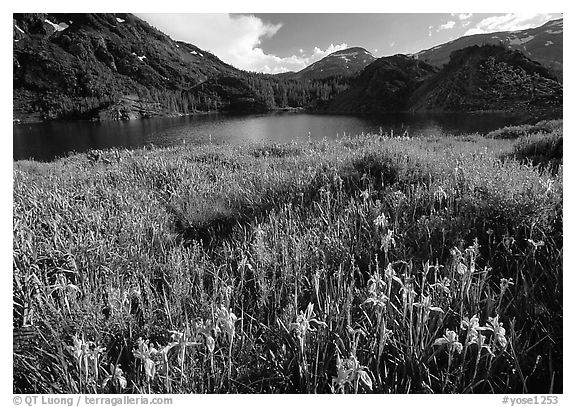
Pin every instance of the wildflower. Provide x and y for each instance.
(325, 193)
(408, 292)
(497, 328)
(94, 356)
(375, 284)
(226, 320)
(302, 325)
(508, 241)
(376, 294)
(535, 245)
(443, 285)
(210, 343)
(338, 181)
(440, 194)
(426, 304)
(117, 377)
(350, 371)
(388, 241)
(365, 195)
(79, 349)
(480, 340)
(449, 339)
(182, 340)
(381, 222)
(470, 323)
(505, 283)
(389, 273)
(397, 198)
(473, 328)
(244, 263)
(207, 329)
(146, 353)
(461, 268)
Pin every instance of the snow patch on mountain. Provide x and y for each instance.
(520, 41)
(120, 20)
(57, 27)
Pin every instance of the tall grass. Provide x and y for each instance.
(513, 132)
(359, 265)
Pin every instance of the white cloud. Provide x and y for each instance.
(464, 16)
(430, 27)
(447, 26)
(508, 22)
(319, 53)
(234, 39)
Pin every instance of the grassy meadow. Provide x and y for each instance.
(365, 264)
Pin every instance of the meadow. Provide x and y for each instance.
(360, 265)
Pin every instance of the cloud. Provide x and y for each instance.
(234, 39)
(447, 26)
(430, 27)
(508, 22)
(462, 16)
(319, 53)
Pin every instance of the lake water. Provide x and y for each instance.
(49, 140)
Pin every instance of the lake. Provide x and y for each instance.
(49, 140)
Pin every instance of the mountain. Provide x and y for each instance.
(477, 78)
(93, 59)
(489, 77)
(383, 86)
(542, 44)
(118, 67)
(346, 62)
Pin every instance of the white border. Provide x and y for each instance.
(294, 6)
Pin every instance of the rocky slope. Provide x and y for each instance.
(477, 78)
(76, 63)
(383, 86)
(542, 44)
(489, 77)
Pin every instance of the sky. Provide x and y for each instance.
(281, 42)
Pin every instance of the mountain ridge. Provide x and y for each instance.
(477, 78)
(542, 44)
(117, 67)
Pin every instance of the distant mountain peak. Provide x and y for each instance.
(352, 50)
(345, 62)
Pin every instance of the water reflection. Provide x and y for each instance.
(46, 141)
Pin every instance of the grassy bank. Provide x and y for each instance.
(358, 265)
